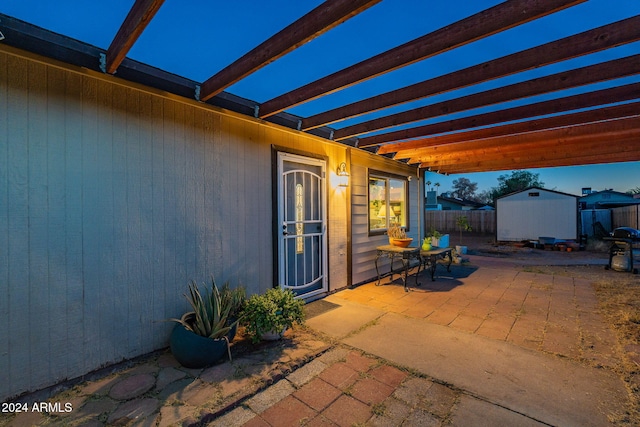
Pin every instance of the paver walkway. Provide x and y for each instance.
(156, 390)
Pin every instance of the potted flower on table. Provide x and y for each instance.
(398, 236)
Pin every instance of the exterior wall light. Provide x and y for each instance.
(343, 175)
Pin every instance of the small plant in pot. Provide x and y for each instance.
(268, 315)
(438, 239)
(201, 336)
(398, 236)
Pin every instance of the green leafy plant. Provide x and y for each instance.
(210, 314)
(463, 224)
(434, 234)
(272, 311)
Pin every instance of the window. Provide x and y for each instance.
(387, 202)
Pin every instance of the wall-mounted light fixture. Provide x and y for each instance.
(343, 175)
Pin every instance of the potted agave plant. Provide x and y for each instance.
(267, 316)
(201, 336)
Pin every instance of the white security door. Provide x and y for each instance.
(302, 242)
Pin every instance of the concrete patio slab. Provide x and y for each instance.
(543, 388)
(475, 412)
(346, 319)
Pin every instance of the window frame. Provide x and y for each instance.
(376, 174)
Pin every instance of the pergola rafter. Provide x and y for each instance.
(139, 16)
(532, 162)
(552, 145)
(409, 149)
(597, 39)
(319, 20)
(483, 24)
(575, 102)
(501, 144)
(569, 79)
(584, 156)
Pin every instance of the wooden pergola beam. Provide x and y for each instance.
(488, 22)
(561, 137)
(558, 149)
(547, 150)
(541, 149)
(551, 152)
(585, 100)
(531, 163)
(321, 19)
(408, 149)
(568, 79)
(597, 39)
(134, 24)
(586, 153)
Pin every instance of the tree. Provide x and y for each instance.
(485, 196)
(517, 181)
(634, 191)
(463, 188)
(463, 224)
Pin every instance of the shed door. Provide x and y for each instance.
(302, 248)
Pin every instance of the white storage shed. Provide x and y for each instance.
(536, 212)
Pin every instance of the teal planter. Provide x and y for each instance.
(194, 351)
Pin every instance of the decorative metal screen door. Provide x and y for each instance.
(302, 244)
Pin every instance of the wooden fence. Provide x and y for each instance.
(627, 216)
(482, 222)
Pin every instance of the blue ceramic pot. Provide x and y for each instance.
(194, 351)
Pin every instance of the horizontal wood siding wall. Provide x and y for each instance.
(113, 197)
(627, 216)
(363, 245)
(445, 221)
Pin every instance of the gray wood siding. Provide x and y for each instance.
(363, 245)
(113, 197)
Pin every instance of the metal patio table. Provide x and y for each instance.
(405, 254)
(430, 259)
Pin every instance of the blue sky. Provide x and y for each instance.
(620, 177)
(196, 39)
